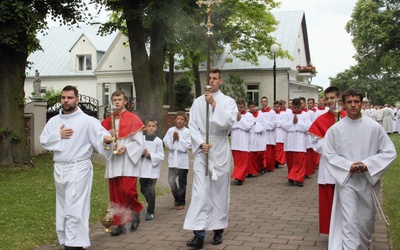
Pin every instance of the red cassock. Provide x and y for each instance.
(269, 158)
(297, 162)
(240, 163)
(280, 153)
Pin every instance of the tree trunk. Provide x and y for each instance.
(13, 143)
(197, 81)
(171, 80)
(147, 69)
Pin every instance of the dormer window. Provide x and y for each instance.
(84, 62)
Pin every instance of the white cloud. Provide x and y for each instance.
(330, 45)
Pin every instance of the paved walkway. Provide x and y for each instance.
(266, 212)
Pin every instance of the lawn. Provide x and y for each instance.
(27, 213)
(391, 191)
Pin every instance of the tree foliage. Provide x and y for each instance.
(19, 23)
(375, 28)
(183, 93)
(245, 25)
(234, 88)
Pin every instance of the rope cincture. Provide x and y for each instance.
(378, 205)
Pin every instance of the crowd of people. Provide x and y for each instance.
(304, 136)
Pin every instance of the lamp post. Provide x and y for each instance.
(274, 49)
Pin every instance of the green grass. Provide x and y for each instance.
(27, 211)
(391, 190)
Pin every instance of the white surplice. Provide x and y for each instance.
(258, 133)
(178, 150)
(296, 139)
(348, 141)
(270, 124)
(240, 135)
(126, 164)
(209, 206)
(73, 172)
(150, 168)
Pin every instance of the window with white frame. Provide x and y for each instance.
(106, 92)
(84, 62)
(252, 91)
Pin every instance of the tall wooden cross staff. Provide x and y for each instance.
(209, 34)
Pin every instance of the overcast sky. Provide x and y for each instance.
(330, 45)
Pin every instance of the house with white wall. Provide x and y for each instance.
(98, 65)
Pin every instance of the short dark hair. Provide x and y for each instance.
(332, 89)
(251, 102)
(151, 120)
(264, 97)
(118, 93)
(181, 113)
(71, 88)
(296, 101)
(352, 92)
(277, 103)
(311, 99)
(302, 98)
(241, 101)
(216, 70)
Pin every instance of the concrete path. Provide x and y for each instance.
(266, 212)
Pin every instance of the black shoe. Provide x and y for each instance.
(249, 176)
(238, 182)
(135, 222)
(300, 184)
(262, 172)
(276, 164)
(217, 239)
(290, 181)
(118, 231)
(306, 177)
(72, 248)
(196, 242)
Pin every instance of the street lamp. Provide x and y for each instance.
(274, 49)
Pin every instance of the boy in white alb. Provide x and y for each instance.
(152, 156)
(177, 140)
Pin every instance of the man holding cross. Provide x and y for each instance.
(209, 207)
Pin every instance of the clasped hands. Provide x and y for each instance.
(358, 167)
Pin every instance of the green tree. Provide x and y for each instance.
(19, 23)
(375, 28)
(183, 93)
(50, 93)
(246, 25)
(234, 88)
(149, 25)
